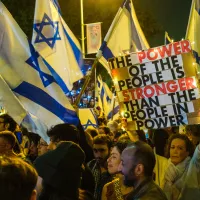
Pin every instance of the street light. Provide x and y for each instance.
(82, 29)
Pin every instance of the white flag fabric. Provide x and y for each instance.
(124, 35)
(55, 42)
(30, 76)
(88, 118)
(15, 109)
(93, 32)
(193, 30)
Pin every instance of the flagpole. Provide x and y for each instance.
(87, 80)
(82, 29)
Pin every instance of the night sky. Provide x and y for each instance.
(172, 15)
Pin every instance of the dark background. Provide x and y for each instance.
(155, 17)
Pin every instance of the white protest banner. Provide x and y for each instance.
(160, 89)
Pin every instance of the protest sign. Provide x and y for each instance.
(158, 88)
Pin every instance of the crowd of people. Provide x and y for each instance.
(110, 162)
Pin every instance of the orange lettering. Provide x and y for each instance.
(185, 45)
(125, 95)
(177, 48)
(190, 83)
(165, 50)
(149, 54)
(141, 56)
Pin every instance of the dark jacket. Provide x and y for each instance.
(147, 190)
(100, 178)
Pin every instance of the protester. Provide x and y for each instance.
(7, 142)
(17, 179)
(159, 138)
(192, 131)
(113, 126)
(68, 132)
(101, 147)
(137, 166)
(33, 150)
(106, 130)
(7, 123)
(116, 189)
(61, 171)
(92, 131)
(42, 147)
(182, 176)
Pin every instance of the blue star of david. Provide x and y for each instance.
(196, 55)
(108, 99)
(38, 27)
(89, 123)
(33, 62)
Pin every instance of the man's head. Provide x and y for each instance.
(42, 147)
(7, 123)
(192, 132)
(138, 162)
(63, 132)
(101, 148)
(7, 142)
(17, 179)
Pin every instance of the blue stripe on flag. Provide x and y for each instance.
(107, 53)
(196, 55)
(43, 99)
(98, 84)
(58, 79)
(115, 111)
(56, 4)
(94, 115)
(76, 50)
(102, 94)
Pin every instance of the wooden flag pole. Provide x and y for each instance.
(87, 80)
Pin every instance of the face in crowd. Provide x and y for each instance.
(42, 147)
(114, 161)
(127, 168)
(4, 146)
(178, 151)
(101, 153)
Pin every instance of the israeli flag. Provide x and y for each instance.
(30, 76)
(55, 42)
(88, 118)
(193, 30)
(107, 101)
(124, 35)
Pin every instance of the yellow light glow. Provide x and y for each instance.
(115, 80)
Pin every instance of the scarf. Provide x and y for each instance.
(172, 174)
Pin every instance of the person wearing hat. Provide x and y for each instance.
(60, 170)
